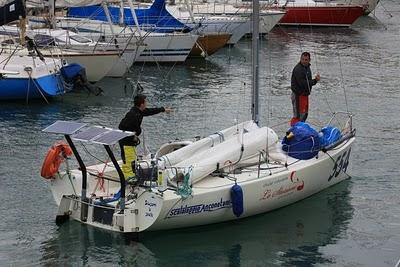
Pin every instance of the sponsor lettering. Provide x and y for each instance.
(196, 209)
(285, 190)
(277, 181)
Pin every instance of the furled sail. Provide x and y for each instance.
(11, 10)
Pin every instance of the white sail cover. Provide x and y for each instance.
(227, 153)
(173, 158)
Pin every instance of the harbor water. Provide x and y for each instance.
(355, 223)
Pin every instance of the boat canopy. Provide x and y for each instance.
(154, 19)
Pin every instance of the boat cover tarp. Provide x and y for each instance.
(154, 19)
(304, 143)
(329, 135)
(11, 11)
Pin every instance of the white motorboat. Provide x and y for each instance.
(238, 172)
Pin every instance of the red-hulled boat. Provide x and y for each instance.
(308, 12)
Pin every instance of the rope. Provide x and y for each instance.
(90, 154)
(27, 92)
(344, 88)
(185, 190)
(100, 178)
(29, 71)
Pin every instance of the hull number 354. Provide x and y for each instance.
(341, 164)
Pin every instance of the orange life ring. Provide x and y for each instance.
(55, 156)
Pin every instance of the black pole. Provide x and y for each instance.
(84, 207)
(120, 174)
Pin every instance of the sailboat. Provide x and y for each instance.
(111, 59)
(160, 47)
(30, 75)
(300, 12)
(235, 173)
(156, 18)
(309, 12)
(160, 17)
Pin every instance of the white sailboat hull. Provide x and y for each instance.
(266, 187)
(125, 61)
(167, 47)
(211, 201)
(160, 47)
(234, 21)
(97, 65)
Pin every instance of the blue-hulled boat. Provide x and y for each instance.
(27, 77)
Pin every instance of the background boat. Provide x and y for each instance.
(27, 77)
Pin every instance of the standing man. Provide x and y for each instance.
(301, 85)
(132, 122)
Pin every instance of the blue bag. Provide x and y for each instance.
(302, 143)
(329, 135)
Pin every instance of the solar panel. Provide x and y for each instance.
(90, 133)
(64, 127)
(111, 137)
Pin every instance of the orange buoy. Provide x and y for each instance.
(55, 156)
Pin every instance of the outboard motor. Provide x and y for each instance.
(75, 76)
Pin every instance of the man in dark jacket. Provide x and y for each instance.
(132, 122)
(301, 85)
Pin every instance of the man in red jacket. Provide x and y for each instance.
(301, 85)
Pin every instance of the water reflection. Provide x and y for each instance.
(289, 236)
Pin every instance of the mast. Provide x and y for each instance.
(121, 13)
(52, 12)
(189, 8)
(107, 12)
(135, 19)
(255, 62)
